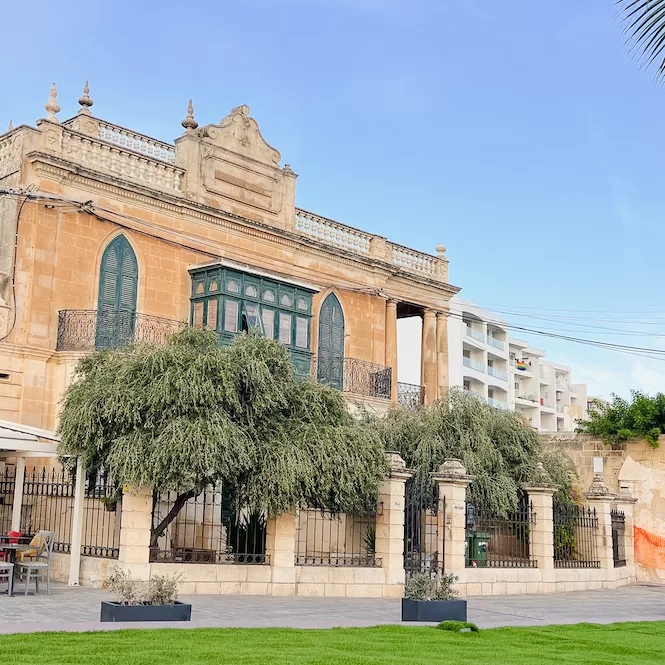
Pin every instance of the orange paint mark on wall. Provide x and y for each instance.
(649, 549)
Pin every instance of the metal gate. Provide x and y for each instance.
(424, 512)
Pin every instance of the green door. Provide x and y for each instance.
(330, 363)
(118, 285)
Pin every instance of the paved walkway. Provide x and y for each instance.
(77, 609)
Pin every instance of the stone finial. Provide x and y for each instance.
(189, 123)
(541, 478)
(598, 488)
(287, 170)
(85, 101)
(441, 251)
(52, 107)
(395, 461)
(11, 126)
(452, 467)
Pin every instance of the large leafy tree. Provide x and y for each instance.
(497, 447)
(644, 26)
(640, 417)
(188, 414)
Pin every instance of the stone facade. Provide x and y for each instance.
(217, 197)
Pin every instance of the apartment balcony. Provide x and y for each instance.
(559, 409)
(527, 399)
(91, 330)
(475, 334)
(497, 373)
(473, 364)
(410, 396)
(496, 343)
(497, 403)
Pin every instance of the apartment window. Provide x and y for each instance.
(467, 385)
(231, 301)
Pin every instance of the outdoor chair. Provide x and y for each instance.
(12, 538)
(41, 564)
(7, 572)
(33, 549)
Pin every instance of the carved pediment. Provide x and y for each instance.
(240, 134)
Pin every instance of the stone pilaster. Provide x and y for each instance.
(281, 548)
(600, 499)
(428, 370)
(453, 481)
(441, 354)
(541, 532)
(389, 546)
(391, 345)
(135, 527)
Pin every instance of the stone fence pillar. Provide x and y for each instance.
(281, 548)
(453, 481)
(389, 545)
(600, 499)
(135, 528)
(541, 533)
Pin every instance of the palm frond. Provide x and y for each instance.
(644, 27)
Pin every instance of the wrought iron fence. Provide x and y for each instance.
(575, 537)
(424, 542)
(618, 538)
(344, 540)
(102, 510)
(351, 375)
(87, 330)
(208, 528)
(410, 396)
(7, 483)
(48, 504)
(495, 541)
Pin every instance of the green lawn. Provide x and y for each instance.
(584, 644)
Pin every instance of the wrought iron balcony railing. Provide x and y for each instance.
(410, 396)
(351, 375)
(87, 330)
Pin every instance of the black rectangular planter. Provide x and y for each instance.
(117, 612)
(433, 610)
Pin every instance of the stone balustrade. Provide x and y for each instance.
(333, 233)
(121, 161)
(125, 138)
(410, 260)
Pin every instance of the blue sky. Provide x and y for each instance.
(519, 134)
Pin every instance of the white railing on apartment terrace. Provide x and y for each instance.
(559, 409)
(531, 397)
(476, 334)
(333, 233)
(125, 138)
(473, 364)
(497, 343)
(497, 373)
(121, 161)
(497, 403)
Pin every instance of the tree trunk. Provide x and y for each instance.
(180, 501)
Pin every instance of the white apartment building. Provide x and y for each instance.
(508, 373)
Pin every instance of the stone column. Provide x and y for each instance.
(599, 498)
(428, 357)
(541, 532)
(281, 548)
(441, 354)
(389, 546)
(77, 525)
(391, 344)
(135, 527)
(453, 480)
(19, 479)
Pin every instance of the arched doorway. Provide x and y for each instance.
(330, 362)
(118, 286)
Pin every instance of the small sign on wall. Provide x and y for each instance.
(597, 464)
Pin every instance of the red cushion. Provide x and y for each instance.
(14, 536)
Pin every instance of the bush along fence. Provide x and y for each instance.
(421, 524)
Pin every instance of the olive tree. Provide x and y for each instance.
(187, 415)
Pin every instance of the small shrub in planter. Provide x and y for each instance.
(137, 601)
(434, 599)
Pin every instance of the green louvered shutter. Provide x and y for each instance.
(330, 367)
(118, 285)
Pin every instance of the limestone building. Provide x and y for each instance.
(108, 236)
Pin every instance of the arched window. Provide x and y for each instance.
(330, 362)
(118, 286)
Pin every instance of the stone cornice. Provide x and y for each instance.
(73, 173)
